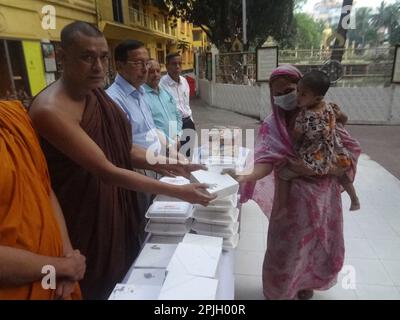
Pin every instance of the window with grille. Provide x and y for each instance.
(161, 56)
(196, 35)
(117, 11)
(183, 25)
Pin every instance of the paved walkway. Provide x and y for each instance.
(381, 143)
(372, 235)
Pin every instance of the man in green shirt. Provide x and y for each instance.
(163, 107)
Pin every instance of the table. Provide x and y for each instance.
(225, 273)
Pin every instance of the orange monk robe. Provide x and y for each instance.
(27, 219)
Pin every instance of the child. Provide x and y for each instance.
(316, 143)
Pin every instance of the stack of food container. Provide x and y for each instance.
(169, 216)
(220, 217)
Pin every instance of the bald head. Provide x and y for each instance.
(71, 32)
(84, 56)
(153, 64)
(154, 74)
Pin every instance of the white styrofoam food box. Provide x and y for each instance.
(222, 204)
(170, 209)
(232, 242)
(175, 180)
(168, 229)
(216, 217)
(216, 230)
(177, 212)
(221, 185)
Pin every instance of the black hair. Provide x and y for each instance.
(172, 55)
(121, 50)
(70, 31)
(317, 81)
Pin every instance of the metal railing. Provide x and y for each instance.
(236, 68)
(361, 67)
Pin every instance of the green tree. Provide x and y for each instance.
(388, 17)
(298, 4)
(222, 20)
(365, 32)
(308, 32)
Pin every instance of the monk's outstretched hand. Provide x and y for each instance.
(196, 193)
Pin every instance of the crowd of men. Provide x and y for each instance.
(75, 175)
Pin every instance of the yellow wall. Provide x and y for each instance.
(34, 66)
(185, 35)
(22, 19)
(145, 31)
(203, 42)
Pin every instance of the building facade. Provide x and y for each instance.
(142, 20)
(29, 37)
(201, 42)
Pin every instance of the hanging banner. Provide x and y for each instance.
(49, 56)
(209, 66)
(267, 61)
(396, 66)
(34, 65)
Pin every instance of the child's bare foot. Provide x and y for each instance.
(305, 294)
(355, 204)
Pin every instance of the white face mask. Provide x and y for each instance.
(287, 102)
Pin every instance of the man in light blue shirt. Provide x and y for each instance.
(127, 91)
(163, 107)
(131, 59)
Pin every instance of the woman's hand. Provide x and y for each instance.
(231, 172)
(235, 175)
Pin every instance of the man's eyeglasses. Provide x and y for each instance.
(139, 64)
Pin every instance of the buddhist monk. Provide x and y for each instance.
(32, 227)
(87, 141)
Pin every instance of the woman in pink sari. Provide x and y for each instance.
(305, 248)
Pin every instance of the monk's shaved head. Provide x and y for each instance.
(71, 32)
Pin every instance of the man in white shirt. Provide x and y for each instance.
(178, 87)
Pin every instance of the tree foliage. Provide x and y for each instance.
(222, 19)
(308, 32)
(371, 24)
